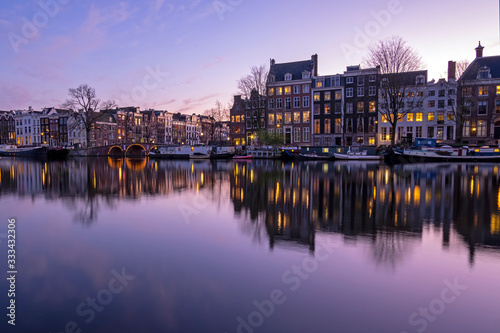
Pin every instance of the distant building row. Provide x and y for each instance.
(345, 109)
(59, 127)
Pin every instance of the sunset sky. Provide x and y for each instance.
(182, 56)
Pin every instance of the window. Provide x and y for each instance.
(420, 94)
(270, 104)
(270, 91)
(361, 91)
(271, 119)
(466, 129)
(338, 125)
(373, 78)
(467, 107)
(420, 104)
(450, 116)
(483, 91)
(338, 94)
(349, 80)
(288, 103)
(384, 118)
(279, 118)
(296, 117)
(441, 93)
(337, 107)
(328, 95)
(279, 91)
(372, 106)
(306, 115)
(306, 75)
(432, 93)
(305, 134)
(467, 91)
(296, 89)
(481, 128)
(328, 126)
(296, 134)
(498, 90)
(419, 116)
(349, 92)
(409, 117)
(279, 103)
(317, 96)
(328, 108)
(383, 134)
(430, 132)
(288, 77)
(296, 102)
(317, 109)
(451, 91)
(319, 83)
(305, 88)
(335, 81)
(238, 119)
(361, 80)
(288, 90)
(288, 117)
(497, 106)
(360, 107)
(432, 104)
(482, 107)
(451, 102)
(305, 101)
(440, 117)
(316, 126)
(348, 107)
(372, 90)
(418, 131)
(420, 80)
(430, 116)
(484, 74)
(441, 103)
(410, 94)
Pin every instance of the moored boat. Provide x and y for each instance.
(354, 153)
(449, 154)
(57, 153)
(14, 151)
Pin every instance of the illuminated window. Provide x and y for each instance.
(338, 95)
(306, 115)
(279, 118)
(271, 119)
(296, 117)
(360, 107)
(328, 96)
(288, 90)
(271, 91)
(288, 117)
(317, 109)
(419, 116)
(409, 117)
(328, 108)
(430, 116)
(498, 90)
(316, 126)
(279, 90)
(483, 91)
(328, 125)
(384, 119)
(450, 116)
(319, 84)
(317, 96)
(371, 106)
(238, 119)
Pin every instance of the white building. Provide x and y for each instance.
(28, 127)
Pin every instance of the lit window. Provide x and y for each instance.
(328, 108)
(279, 118)
(288, 90)
(361, 107)
(271, 119)
(409, 117)
(279, 90)
(316, 96)
(419, 116)
(483, 91)
(328, 96)
(498, 90)
(338, 95)
(288, 117)
(371, 106)
(319, 84)
(306, 116)
(316, 126)
(271, 91)
(296, 118)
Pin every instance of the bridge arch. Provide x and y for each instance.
(115, 151)
(135, 150)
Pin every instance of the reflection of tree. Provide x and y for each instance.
(389, 248)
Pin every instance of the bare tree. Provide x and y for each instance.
(396, 62)
(216, 116)
(85, 105)
(464, 98)
(255, 80)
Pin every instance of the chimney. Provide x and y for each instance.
(30, 108)
(452, 70)
(479, 50)
(314, 58)
(271, 62)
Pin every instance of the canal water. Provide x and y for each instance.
(114, 245)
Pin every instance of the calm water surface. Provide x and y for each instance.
(180, 246)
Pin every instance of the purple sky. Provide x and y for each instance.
(184, 55)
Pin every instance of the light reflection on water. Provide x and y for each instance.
(206, 239)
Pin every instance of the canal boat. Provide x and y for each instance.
(14, 151)
(355, 154)
(313, 157)
(199, 156)
(450, 154)
(264, 152)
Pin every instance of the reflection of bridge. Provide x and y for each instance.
(130, 150)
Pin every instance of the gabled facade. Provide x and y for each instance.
(328, 106)
(289, 105)
(361, 106)
(480, 94)
(7, 128)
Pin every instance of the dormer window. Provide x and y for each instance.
(420, 79)
(288, 77)
(306, 75)
(484, 73)
(272, 78)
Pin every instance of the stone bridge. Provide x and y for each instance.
(119, 150)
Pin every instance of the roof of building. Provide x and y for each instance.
(295, 68)
(409, 78)
(492, 62)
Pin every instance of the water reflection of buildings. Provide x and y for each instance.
(370, 200)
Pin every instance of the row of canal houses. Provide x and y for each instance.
(60, 128)
(345, 109)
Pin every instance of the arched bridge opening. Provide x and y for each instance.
(135, 150)
(115, 151)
